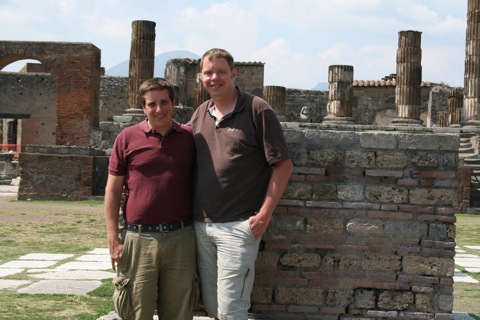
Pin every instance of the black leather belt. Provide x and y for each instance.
(162, 227)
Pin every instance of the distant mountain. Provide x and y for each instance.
(322, 86)
(121, 69)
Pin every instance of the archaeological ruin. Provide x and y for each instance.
(366, 227)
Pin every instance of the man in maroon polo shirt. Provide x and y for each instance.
(151, 164)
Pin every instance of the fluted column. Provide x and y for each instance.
(471, 115)
(340, 95)
(201, 94)
(454, 106)
(141, 65)
(275, 97)
(409, 78)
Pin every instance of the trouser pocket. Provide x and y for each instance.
(122, 299)
(195, 298)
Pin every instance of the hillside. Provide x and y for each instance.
(121, 69)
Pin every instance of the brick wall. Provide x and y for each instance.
(365, 228)
(75, 70)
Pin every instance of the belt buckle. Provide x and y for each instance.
(163, 227)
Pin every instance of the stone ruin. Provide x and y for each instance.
(366, 227)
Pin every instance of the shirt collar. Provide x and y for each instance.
(238, 105)
(144, 125)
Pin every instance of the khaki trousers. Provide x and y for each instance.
(159, 272)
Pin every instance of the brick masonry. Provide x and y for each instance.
(75, 69)
(365, 229)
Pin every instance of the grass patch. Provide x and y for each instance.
(52, 227)
(53, 307)
(467, 295)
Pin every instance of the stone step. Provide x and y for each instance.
(465, 145)
(466, 150)
(466, 156)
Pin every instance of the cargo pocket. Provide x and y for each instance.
(122, 298)
(194, 299)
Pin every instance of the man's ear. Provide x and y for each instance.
(234, 73)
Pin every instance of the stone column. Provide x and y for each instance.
(142, 58)
(454, 106)
(201, 94)
(409, 78)
(471, 115)
(275, 97)
(340, 95)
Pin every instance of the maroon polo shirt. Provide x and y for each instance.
(234, 158)
(158, 172)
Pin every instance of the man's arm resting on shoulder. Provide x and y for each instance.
(113, 194)
(278, 182)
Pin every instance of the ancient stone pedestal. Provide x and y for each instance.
(275, 97)
(409, 78)
(340, 95)
(142, 57)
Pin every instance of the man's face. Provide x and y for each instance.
(217, 77)
(159, 110)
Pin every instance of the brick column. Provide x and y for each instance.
(409, 78)
(142, 57)
(471, 115)
(275, 97)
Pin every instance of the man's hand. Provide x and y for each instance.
(116, 251)
(258, 225)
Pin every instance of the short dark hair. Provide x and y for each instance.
(216, 53)
(156, 84)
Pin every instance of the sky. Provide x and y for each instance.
(297, 40)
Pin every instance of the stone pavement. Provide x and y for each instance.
(78, 274)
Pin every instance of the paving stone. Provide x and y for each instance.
(473, 247)
(74, 287)
(87, 265)
(12, 284)
(9, 272)
(75, 275)
(45, 256)
(31, 264)
(468, 262)
(40, 270)
(473, 270)
(100, 251)
(94, 257)
(464, 316)
(461, 277)
(466, 255)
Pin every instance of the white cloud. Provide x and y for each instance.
(297, 40)
(287, 67)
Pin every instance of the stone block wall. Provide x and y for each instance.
(113, 97)
(365, 229)
(57, 173)
(372, 104)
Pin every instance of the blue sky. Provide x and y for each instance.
(296, 39)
